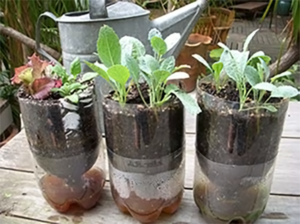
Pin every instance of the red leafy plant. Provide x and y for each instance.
(36, 77)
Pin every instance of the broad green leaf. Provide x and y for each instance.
(148, 64)
(265, 86)
(230, 66)
(252, 75)
(74, 98)
(172, 40)
(266, 69)
(74, 86)
(88, 76)
(101, 65)
(216, 53)
(248, 39)
(241, 59)
(99, 70)
(133, 68)
(286, 73)
(217, 66)
(257, 54)
(159, 46)
(256, 60)
(270, 108)
(108, 46)
(260, 71)
(203, 61)
(83, 86)
(285, 92)
(168, 64)
(75, 67)
(161, 76)
(154, 33)
(187, 100)
(132, 46)
(178, 75)
(119, 73)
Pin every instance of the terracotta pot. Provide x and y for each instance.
(196, 44)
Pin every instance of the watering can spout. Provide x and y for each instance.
(180, 21)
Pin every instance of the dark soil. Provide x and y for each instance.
(134, 96)
(229, 92)
(52, 95)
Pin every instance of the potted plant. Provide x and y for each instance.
(238, 134)
(144, 123)
(60, 123)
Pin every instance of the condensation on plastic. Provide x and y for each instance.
(65, 143)
(235, 159)
(146, 158)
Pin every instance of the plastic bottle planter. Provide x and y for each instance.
(146, 158)
(65, 143)
(235, 160)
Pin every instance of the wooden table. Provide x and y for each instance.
(250, 7)
(22, 203)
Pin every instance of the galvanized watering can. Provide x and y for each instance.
(79, 31)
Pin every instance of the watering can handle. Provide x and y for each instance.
(38, 36)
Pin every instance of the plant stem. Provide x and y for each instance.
(141, 95)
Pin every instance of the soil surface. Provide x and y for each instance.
(134, 96)
(230, 92)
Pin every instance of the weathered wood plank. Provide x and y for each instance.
(16, 155)
(291, 127)
(25, 200)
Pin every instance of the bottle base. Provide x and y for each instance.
(64, 197)
(146, 211)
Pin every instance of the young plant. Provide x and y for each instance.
(126, 64)
(72, 85)
(245, 71)
(39, 78)
(36, 78)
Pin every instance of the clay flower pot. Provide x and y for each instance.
(236, 153)
(196, 44)
(146, 157)
(65, 143)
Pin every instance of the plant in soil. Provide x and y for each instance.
(60, 123)
(144, 123)
(127, 68)
(40, 79)
(238, 134)
(249, 75)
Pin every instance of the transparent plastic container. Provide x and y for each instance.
(67, 148)
(235, 159)
(146, 158)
